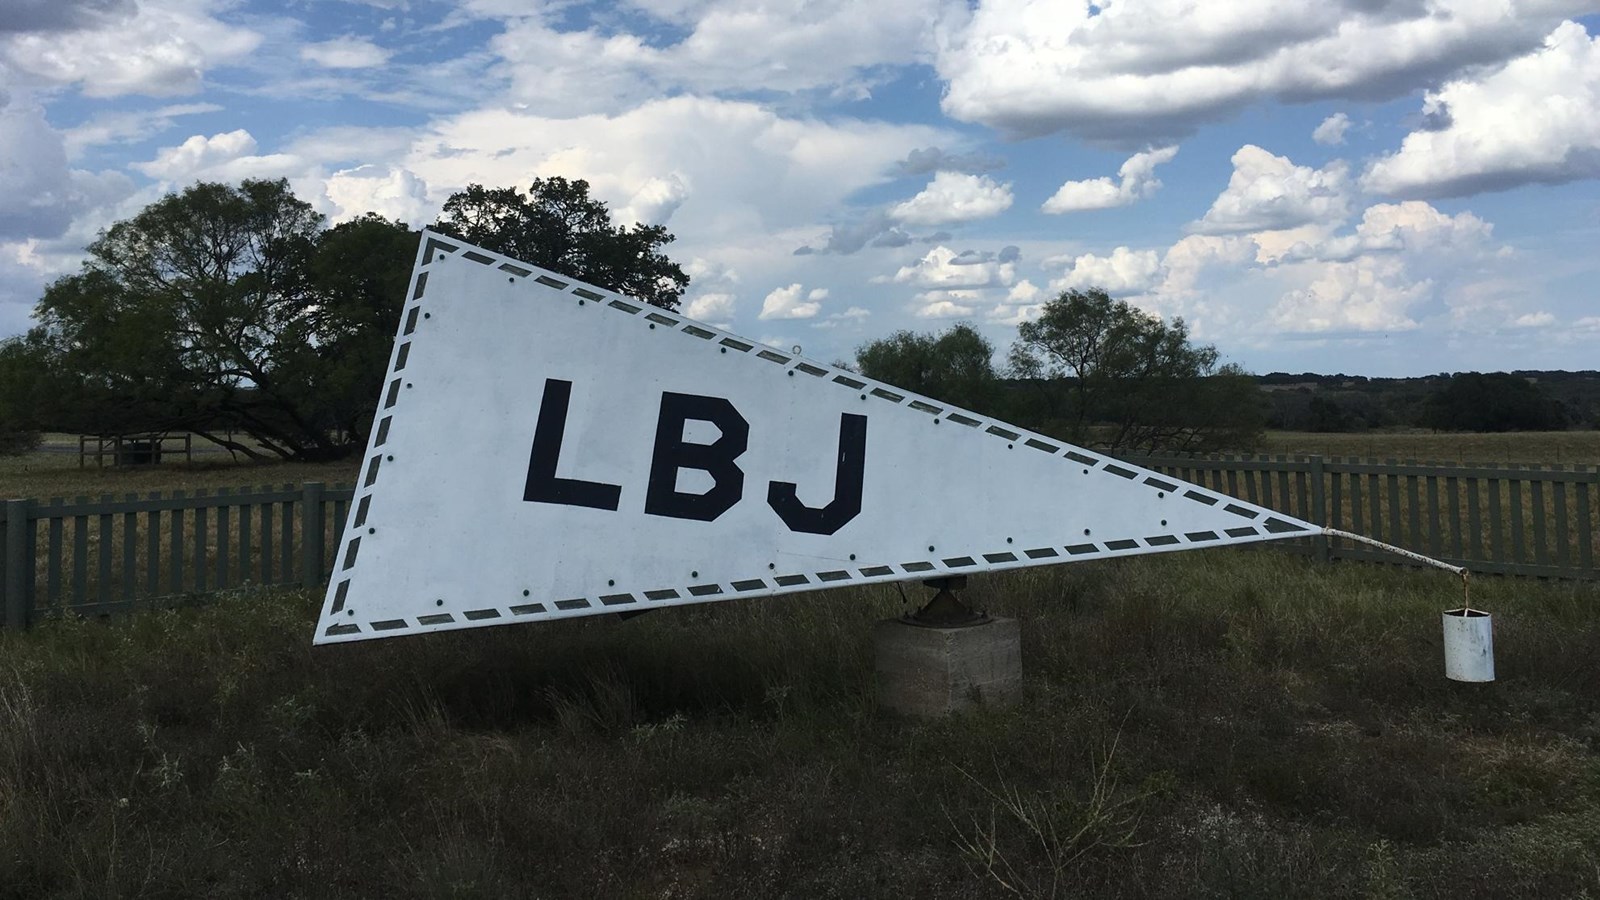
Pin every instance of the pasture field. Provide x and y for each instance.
(52, 471)
(1563, 448)
(1235, 723)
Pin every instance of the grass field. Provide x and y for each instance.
(1564, 448)
(53, 471)
(1229, 723)
(1224, 723)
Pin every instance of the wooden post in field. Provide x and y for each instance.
(311, 535)
(1319, 508)
(19, 564)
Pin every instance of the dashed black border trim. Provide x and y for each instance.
(434, 249)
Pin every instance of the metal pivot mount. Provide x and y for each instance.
(946, 610)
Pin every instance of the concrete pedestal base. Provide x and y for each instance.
(935, 671)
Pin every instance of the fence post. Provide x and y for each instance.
(311, 535)
(1319, 507)
(19, 565)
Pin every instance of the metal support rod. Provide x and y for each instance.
(1466, 585)
(1398, 551)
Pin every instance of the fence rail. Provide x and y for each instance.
(96, 556)
(1492, 518)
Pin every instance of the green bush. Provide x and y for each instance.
(17, 442)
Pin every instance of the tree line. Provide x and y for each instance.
(1462, 401)
(1089, 369)
(234, 312)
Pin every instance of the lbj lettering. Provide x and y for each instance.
(670, 453)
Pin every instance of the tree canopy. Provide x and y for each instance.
(1494, 402)
(956, 366)
(21, 373)
(227, 308)
(360, 271)
(558, 226)
(1114, 376)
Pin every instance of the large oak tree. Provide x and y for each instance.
(226, 309)
(956, 366)
(558, 226)
(230, 309)
(1120, 378)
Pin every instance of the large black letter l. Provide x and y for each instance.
(543, 485)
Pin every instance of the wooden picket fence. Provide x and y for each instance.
(1491, 518)
(95, 557)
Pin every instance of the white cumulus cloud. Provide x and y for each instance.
(656, 200)
(753, 171)
(163, 47)
(1365, 294)
(1023, 291)
(345, 53)
(1123, 272)
(954, 197)
(201, 156)
(714, 307)
(395, 193)
(785, 303)
(1136, 180)
(1270, 192)
(1332, 129)
(1141, 71)
(944, 268)
(726, 46)
(1400, 257)
(1537, 119)
(946, 304)
(42, 192)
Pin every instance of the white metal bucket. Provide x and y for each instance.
(1468, 645)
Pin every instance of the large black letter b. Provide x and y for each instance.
(662, 497)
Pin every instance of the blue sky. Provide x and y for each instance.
(1328, 185)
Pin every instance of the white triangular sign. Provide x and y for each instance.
(546, 449)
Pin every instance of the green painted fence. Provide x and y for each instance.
(1492, 518)
(107, 555)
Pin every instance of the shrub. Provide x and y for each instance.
(15, 442)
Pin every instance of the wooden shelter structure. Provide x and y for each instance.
(139, 449)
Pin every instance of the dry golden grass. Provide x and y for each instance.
(53, 471)
(1281, 729)
(251, 556)
(1564, 448)
(1207, 724)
